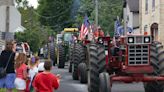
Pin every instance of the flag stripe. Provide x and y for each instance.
(84, 28)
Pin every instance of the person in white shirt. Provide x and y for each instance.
(41, 67)
(33, 70)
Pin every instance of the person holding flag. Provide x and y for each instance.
(98, 33)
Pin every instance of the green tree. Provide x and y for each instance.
(55, 13)
(35, 34)
(108, 11)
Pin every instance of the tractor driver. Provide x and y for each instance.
(98, 33)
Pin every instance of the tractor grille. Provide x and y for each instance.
(138, 55)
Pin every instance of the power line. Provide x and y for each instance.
(50, 17)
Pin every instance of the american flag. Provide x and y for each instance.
(84, 28)
(117, 25)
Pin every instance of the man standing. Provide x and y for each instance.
(98, 33)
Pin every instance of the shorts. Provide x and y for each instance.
(20, 84)
(8, 81)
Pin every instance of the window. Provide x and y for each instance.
(68, 37)
(153, 5)
(145, 28)
(146, 6)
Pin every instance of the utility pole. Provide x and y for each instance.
(7, 21)
(31, 18)
(7, 18)
(125, 19)
(96, 12)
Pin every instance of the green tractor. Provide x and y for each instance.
(64, 47)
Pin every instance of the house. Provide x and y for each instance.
(161, 23)
(131, 14)
(145, 16)
(150, 17)
(10, 21)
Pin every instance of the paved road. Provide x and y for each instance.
(69, 85)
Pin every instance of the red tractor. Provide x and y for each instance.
(78, 58)
(79, 54)
(134, 58)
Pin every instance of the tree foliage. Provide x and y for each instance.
(55, 13)
(108, 10)
(35, 34)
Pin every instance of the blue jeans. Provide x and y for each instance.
(8, 81)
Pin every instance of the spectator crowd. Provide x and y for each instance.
(25, 74)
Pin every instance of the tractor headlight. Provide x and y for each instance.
(146, 39)
(131, 40)
(100, 40)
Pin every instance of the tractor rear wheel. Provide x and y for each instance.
(96, 66)
(105, 84)
(156, 58)
(93, 72)
(78, 57)
(154, 50)
(101, 58)
(82, 71)
(75, 70)
(52, 52)
(70, 67)
(70, 57)
(61, 57)
(152, 87)
(161, 67)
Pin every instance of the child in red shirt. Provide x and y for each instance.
(46, 81)
(21, 72)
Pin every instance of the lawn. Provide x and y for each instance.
(4, 90)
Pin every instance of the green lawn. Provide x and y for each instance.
(3, 90)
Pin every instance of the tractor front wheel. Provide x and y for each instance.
(52, 52)
(93, 72)
(156, 60)
(82, 70)
(78, 57)
(70, 67)
(74, 71)
(61, 57)
(152, 87)
(105, 84)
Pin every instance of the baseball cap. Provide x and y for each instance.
(33, 60)
(41, 66)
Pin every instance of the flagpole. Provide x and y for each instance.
(125, 19)
(96, 12)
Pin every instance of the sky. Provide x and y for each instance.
(33, 3)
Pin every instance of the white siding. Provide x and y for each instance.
(2, 18)
(6, 2)
(130, 16)
(14, 19)
(150, 17)
(135, 19)
(161, 25)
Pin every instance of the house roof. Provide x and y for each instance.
(20, 29)
(133, 5)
